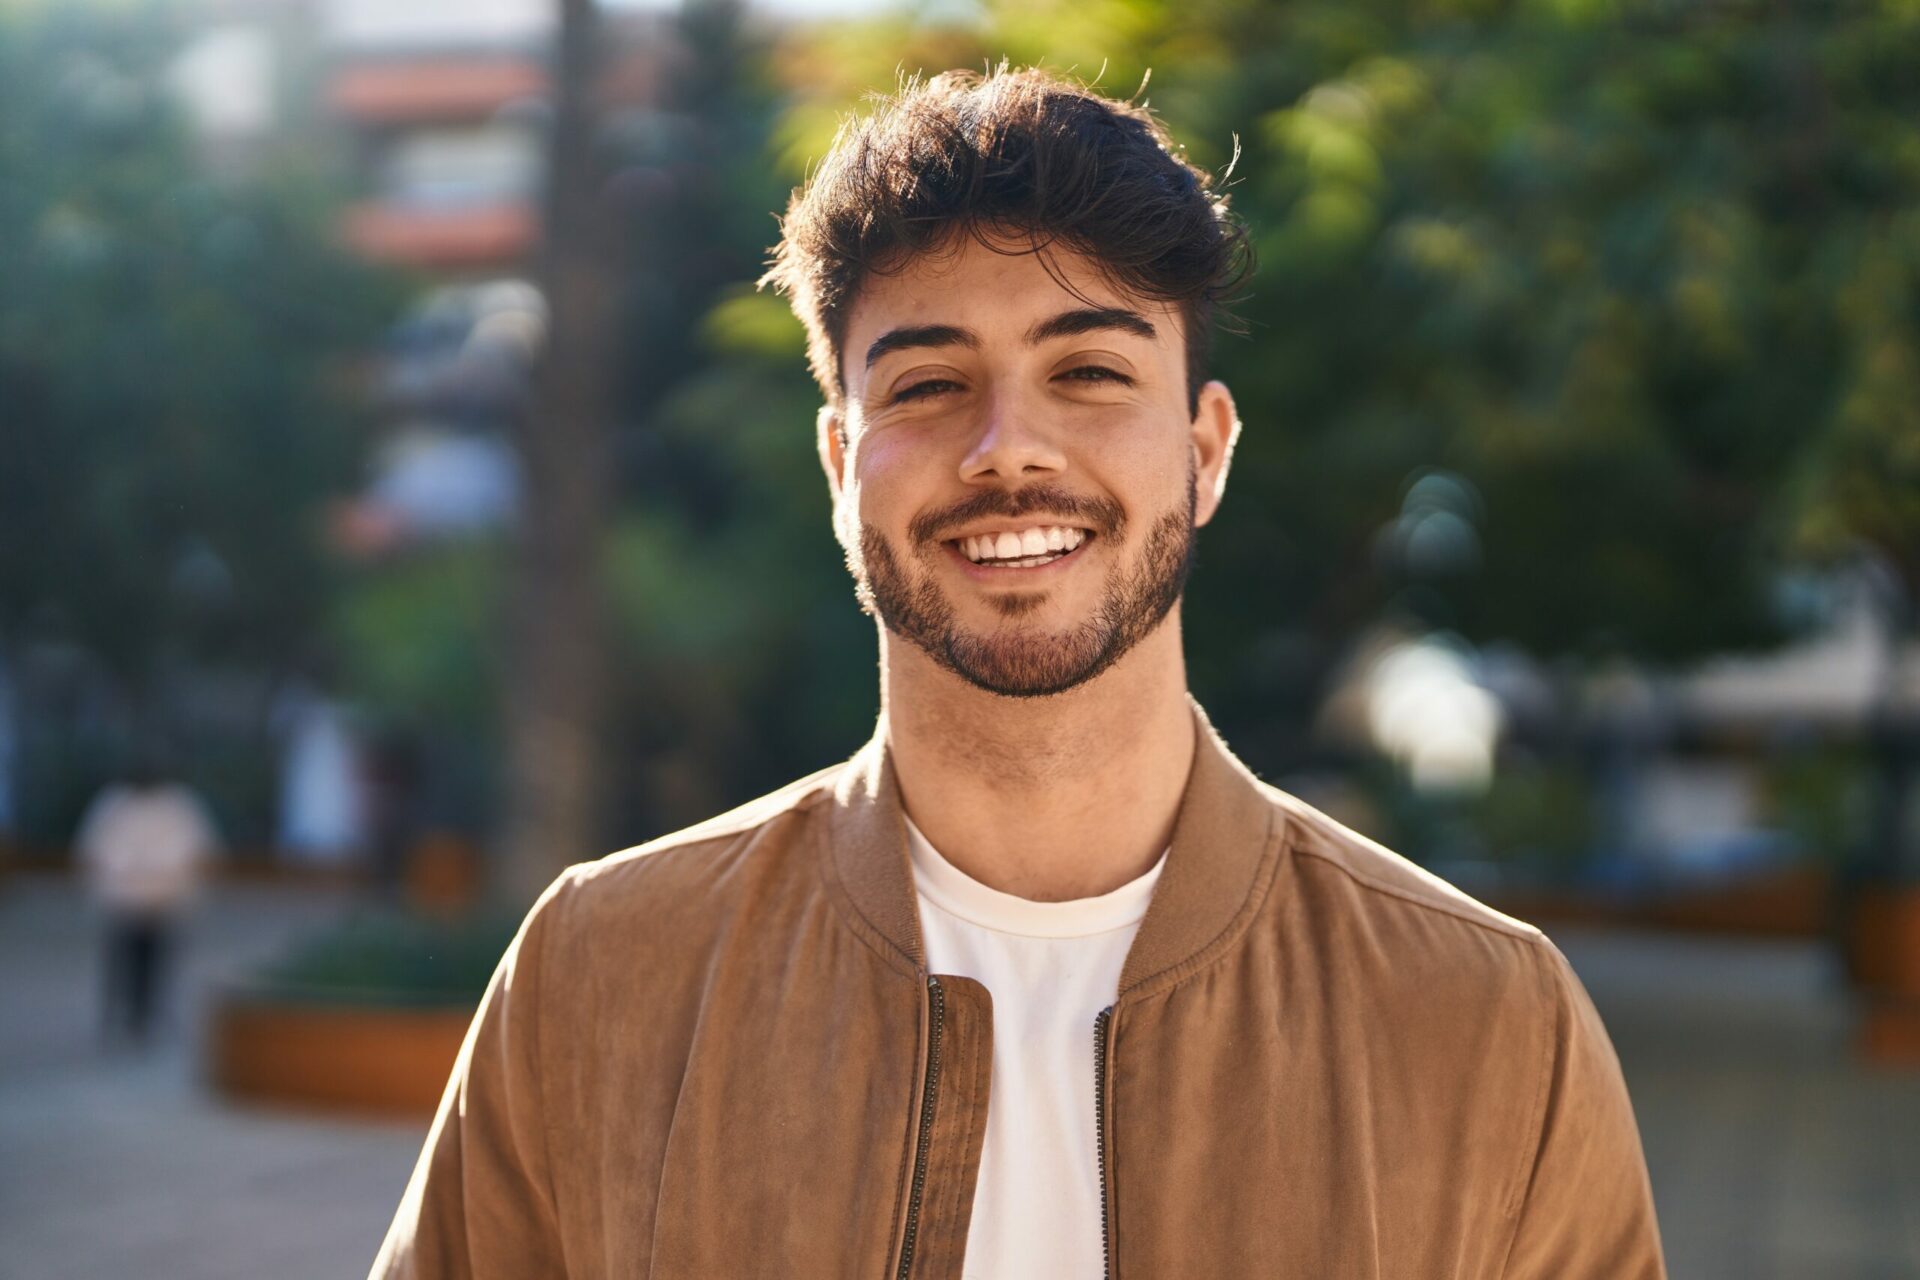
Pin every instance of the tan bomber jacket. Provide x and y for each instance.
(720, 1055)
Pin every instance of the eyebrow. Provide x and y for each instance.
(925, 335)
(1068, 324)
(1071, 324)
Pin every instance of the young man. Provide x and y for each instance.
(1042, 982)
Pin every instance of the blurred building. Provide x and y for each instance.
(443, 107)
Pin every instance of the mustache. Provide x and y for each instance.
(1102, 515)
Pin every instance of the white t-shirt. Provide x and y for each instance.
(1051, 967)
(143, 849)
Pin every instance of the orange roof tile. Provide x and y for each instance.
(417, 90)
(492, 236)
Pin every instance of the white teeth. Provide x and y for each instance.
(1025, 549)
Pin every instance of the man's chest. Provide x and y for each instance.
(1038, 1199)
(805, 1135)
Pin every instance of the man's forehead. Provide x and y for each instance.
(1002, 292)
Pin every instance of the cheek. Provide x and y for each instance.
(1135, 445)
(892, 482)
(1144, 474)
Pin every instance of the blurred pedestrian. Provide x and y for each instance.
(143, 845)
(392, 771)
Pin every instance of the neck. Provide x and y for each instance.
(1053, 798)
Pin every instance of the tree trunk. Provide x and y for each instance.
(556, 669)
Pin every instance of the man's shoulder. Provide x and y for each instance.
(1375, 874)
(1421, 941)
(1363, 876)
(701, 858)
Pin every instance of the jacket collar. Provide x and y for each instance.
(1223, 858)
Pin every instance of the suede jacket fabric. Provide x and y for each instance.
(720, 1055)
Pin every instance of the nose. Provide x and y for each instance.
(1011, 444)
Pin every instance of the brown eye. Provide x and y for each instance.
(922, 390)
(1097, 373)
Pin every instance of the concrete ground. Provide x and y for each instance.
(1774, 1155)
(120, 1163)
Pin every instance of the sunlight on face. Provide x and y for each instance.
(1021, 480)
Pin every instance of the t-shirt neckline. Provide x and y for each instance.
(959, 894)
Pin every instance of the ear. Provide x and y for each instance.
(831, 431)
(1216, 429)
(830, 435)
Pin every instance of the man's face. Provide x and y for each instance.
(1020, 480)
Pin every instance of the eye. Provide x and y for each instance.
(1097, 373)
(924, 390)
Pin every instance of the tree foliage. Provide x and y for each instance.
(172, 348)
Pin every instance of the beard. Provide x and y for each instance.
(1013, 660)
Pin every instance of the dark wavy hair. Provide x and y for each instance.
(1020, 160)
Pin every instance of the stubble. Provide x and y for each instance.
(1012, 659)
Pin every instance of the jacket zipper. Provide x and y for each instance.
(1100, 1026)
(937, 1002)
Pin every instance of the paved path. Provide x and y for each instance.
(1774, 1156)
(122, 1164)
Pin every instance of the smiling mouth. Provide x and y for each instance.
(1028, 548)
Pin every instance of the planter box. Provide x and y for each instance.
(1890, 1032)
(1884, 955)
(1883, 959)
(1791, 902)
(369, 1059)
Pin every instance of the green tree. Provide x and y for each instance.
(172, 358)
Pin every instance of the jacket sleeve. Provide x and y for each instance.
(480, 1203)
(1586, 1205)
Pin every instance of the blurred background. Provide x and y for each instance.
(404, 493)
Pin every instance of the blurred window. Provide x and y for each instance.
(460, 168)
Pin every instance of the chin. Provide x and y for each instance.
(1019, 604)
(1027, 662)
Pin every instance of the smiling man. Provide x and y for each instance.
(1042, 982)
